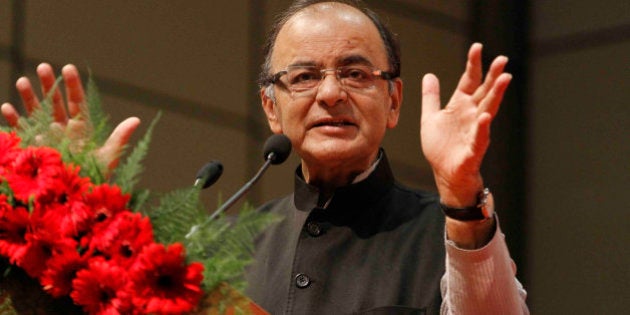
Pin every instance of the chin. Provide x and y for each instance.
(335, 151)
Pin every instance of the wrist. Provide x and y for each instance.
(483, 208)
(471, 227)
(461, 193)
(470, 234)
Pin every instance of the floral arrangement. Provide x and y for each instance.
(92, 239)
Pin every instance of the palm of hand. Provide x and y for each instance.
(455, 139)
(449, 139)
(70, 116)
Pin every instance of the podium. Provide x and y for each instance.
(215, 303)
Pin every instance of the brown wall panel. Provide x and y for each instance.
(189, 50)
(579, 223)
(552, 19)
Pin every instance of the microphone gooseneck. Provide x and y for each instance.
(275, 151)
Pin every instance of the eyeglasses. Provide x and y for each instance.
(306, 79)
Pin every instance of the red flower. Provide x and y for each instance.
(163, 283)
(61, 270)
(14, 224)
(123, 239)
(101, 288)
(42, 242)
(106, 200)
(80, 240)
(8, 149)
(66, 202)
(34, 173)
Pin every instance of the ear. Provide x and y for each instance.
(269, 106)
(396, 97)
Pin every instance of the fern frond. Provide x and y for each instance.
(100, 121)
(128, 174)
(138, 199)
(175, 213)
(34, 129)
(6, 304)
(225, 246)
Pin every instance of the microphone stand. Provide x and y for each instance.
(270, 158)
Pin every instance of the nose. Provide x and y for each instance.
(330, 92)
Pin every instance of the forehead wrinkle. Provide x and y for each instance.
(326, 52)
(353, 59)
(310, 33)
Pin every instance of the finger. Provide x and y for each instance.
(491, 102)
(76, 129)
(110, 152)
(471, 79)
(482, 136)
(496, 68)
(74, 92)
(430, 95)
(47, 79)
(58, 129)
(29, 99)
(10, 114)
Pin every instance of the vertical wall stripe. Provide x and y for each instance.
(255, 131)
(503, 27)
(16, 50)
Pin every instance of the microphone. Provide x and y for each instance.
(209, 174)
(275, 151)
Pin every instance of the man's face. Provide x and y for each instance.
(333, 126)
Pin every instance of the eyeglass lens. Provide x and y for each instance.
(304, 78)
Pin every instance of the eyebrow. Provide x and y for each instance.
(342, 61)
(352, 60)
(303, 64)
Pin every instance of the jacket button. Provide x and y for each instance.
(313, 229)
(302, 281)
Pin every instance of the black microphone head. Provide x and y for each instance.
(277, 149)
(209, 174)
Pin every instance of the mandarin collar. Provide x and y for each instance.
(348, 199)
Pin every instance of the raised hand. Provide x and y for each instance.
(455, 139)
(70, 115)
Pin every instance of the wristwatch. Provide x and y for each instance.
(483, 210)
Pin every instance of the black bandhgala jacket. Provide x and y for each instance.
(377, 248)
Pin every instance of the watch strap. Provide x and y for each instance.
(474, 213)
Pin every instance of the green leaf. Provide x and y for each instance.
(100, 126)
(34, 129)
(175, 213)
(128, 174)
(225, 246)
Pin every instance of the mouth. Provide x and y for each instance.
(333, 123)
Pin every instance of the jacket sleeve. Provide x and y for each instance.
(481, 281)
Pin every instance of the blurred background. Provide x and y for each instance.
(559, 164)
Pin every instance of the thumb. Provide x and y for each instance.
(109, 153)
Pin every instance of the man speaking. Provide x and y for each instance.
(353, 240)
